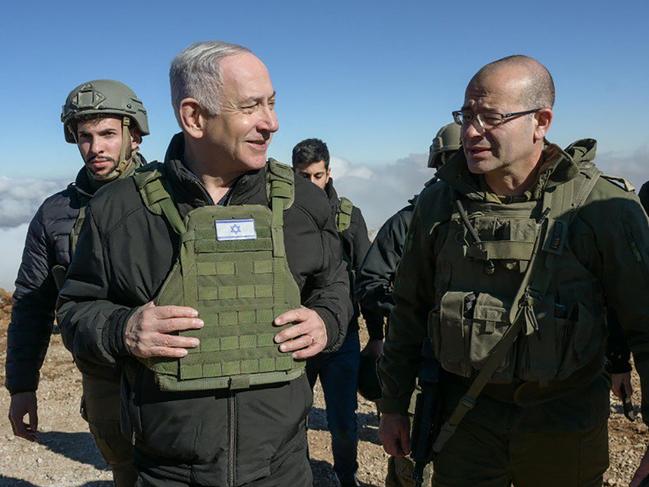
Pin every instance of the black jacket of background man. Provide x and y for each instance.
(375, 277)
(355, 245)
(32, 316)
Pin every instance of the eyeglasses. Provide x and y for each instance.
(487, 120)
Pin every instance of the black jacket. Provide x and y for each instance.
(123, 256)
(47, 244)
(355, 246)
(376, 276)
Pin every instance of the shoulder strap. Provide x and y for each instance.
(280, 188)
(620, 182)
(559, 208)
(344, 214)
(150, 183)
(59, 271)
(280, 182)
(76, 228)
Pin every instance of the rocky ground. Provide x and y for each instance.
(65, 454)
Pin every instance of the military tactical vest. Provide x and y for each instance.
(477, 279)
(344, 214)
(232, 268)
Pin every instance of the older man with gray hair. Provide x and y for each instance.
(193, 278)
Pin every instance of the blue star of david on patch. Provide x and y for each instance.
(239, 229)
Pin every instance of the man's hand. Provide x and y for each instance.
(24, 404)
(394, 433)
(306, 337)
(150, 331)
(621, 380)
(374, 348)
(642, 472)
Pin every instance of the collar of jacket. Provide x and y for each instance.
(83, 185)
(188, 188)
(332, 195)
(557, 166)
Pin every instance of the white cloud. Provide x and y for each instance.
(12, 241)
(343, 168)
(20, 198)
(634, 167)
(380, 190)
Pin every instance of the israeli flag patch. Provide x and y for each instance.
(235, 229)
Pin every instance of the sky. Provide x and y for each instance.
(373, 79)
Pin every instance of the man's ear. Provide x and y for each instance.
(543, 122)
(136, 138)
(192, 118)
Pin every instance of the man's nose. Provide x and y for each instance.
(96, 145)
(472, 129)
(268, 121)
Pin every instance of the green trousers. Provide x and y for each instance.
(400, 473)
(478, 457)
(100, 406)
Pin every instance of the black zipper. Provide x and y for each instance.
(232, 440)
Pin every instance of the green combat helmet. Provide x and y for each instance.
(447, 140)
(105, 97)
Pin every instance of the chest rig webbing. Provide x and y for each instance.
(505, 265)
(238, 285)
(545, 326)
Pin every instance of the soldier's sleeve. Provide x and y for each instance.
(32, 315)
(643, 194)
(327, 291)
(622, 237)
(92, 326)
(376, 275)
(413, 297)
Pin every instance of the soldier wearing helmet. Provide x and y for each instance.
(375, 281)
(111, 108)
(106, 120)
(446, 141)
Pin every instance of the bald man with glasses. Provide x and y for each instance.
(514, 260)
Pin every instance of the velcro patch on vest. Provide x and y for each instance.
(235, 229)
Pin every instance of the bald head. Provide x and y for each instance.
(532, 80)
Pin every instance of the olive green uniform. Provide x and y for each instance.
(542, 418)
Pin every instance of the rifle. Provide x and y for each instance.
(428, 410)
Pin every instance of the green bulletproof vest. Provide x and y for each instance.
(564, 328)
(232, 268)
(344, 214)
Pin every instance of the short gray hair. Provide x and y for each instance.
(196, 73)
